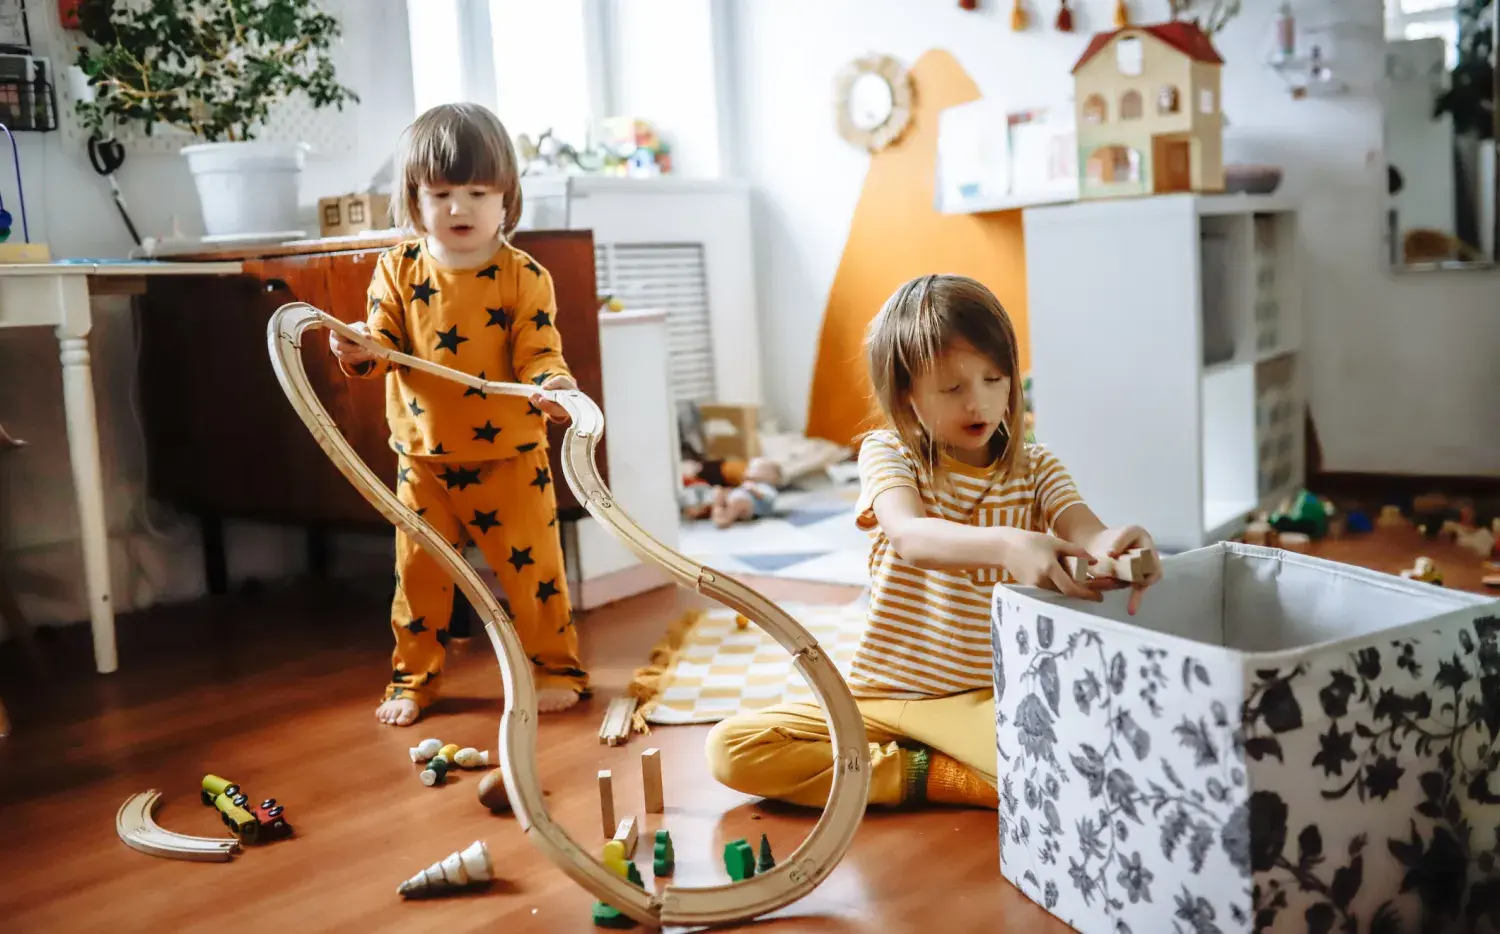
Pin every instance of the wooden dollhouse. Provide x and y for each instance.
(1148, 112)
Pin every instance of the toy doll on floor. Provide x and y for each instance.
(754, 498)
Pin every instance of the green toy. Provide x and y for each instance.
(739, 860)
(766, 862)
(664, 858)
(1307, 514)
(608, 916)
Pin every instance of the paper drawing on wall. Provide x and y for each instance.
(1134, 135)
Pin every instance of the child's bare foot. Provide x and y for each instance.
(401, 711)
(551, 700)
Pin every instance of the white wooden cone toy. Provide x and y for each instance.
(456, 870)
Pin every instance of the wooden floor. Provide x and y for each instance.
(276, 691)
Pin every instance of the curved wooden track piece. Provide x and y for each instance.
(138, 829)
(829, 839)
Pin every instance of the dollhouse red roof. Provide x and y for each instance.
(1185, 37)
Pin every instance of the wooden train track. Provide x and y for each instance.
(674, 905)
(137, 827)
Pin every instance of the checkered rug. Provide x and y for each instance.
(710, 668)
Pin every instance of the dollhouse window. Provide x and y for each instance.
(1206, 101)
(1130, 105)
(1113, 165)
(1129, 56)
(1094, 109)
(1167, 101)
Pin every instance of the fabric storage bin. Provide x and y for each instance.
(1274, 742)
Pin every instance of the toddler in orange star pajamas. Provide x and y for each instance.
(473, 466)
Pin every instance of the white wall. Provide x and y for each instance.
(664, 72)
(1375, 336)
(70, 208)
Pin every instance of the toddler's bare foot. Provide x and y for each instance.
(402, 711)
(551, 700)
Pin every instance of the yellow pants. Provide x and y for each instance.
(509, 509)
(784, 752)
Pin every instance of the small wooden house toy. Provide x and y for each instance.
(345, 215)
(1148, 112)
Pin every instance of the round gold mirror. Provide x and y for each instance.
(873, 102)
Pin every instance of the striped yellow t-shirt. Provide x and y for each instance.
(929, 631)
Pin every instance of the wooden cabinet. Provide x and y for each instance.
(222, 439)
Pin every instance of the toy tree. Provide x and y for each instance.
(211, 67)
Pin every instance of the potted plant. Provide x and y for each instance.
(213, 69)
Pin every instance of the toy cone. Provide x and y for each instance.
(454, 871)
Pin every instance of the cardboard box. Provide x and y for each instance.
(730, 431)
(1272, 741)
(346, 215)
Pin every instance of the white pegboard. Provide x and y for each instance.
(330, 132)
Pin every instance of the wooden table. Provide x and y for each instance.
(56, 295)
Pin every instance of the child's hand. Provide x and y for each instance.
(1111, 543)
(551, 409)
(348, 351)
(1036, 560)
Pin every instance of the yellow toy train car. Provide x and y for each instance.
(264, 821)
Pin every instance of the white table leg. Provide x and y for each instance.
(83, 446)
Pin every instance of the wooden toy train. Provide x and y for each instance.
(264, 821)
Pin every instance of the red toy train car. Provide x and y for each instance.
(265, 821)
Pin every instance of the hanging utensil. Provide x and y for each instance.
(107, 155)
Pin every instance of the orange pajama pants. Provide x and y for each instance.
(508, 508)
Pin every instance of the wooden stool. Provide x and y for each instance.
(10, 609)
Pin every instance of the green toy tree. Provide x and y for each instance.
(211, 67)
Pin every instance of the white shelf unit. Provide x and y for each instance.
(1165, 337)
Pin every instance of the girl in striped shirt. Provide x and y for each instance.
(956, 502)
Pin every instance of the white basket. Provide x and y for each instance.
(1274, 743)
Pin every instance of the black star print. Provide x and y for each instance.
(546, 589)
(414, 251)
(397, 676)
(400, 448)
(486, 432)
(417, 625)
(363, 368)
(541, 479)
(403, 475)
(374, 301)
(484, 521)
(528, 446)
(395, 341)
(415, 409)
(439, 449)
(531, 409)
(422, 511)
(535, 269)
(498, 318)
(423, 291)
(475, 390)
(487, 272)
(520, 557)
(460, 477)
(541, 377)
(541, 319)
(449, 339)
(554, 519)
(443, 636)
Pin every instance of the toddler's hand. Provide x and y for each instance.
(1111, 543)
(551, 409)
(348, 351)
(1037, 561)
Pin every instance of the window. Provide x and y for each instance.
(1111, 165)
(1206, 100)
(1130, 105)
(1167, 100)
(1129, 56)
(1425, 19)
(1095, 110)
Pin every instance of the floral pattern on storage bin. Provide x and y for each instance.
(1152, 784)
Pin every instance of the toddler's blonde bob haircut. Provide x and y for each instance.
(455, 144)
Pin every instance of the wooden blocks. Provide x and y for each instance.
(1133, 566)
(628, 835)
(651, 780)
(607, 801)
(615, 730)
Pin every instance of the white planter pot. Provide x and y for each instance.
(1277, 744)
(247, 188)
